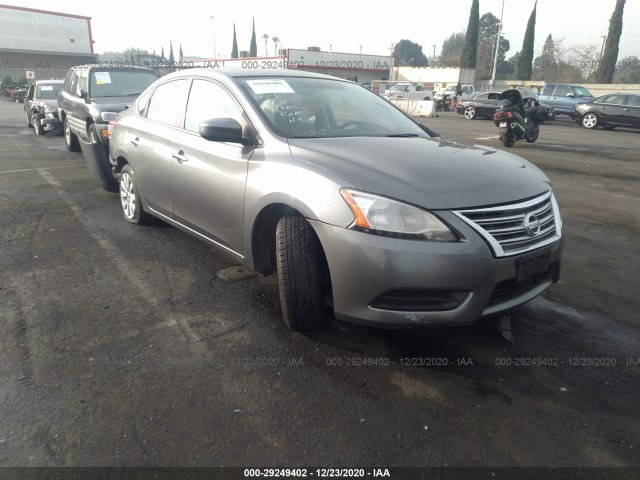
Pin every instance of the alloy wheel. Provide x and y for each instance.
(127, 195)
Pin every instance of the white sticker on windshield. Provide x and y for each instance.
(45, 88)
(269, 86)
(102, 78)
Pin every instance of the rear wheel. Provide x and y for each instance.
(469, 113)
(70, 139)
(533, 136)
(130, 198)
(299, 261)
(508, 139)
(590, 120)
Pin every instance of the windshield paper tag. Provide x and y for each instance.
(45, 88)
(260, 87)
(102, 78)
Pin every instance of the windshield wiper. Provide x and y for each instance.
(404, 135)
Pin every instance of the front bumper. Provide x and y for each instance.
(365, 267)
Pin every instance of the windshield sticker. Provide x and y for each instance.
(46, 87)
(102, 78)
(260, 87)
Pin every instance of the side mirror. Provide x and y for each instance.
(571, 95)
(222, 130)
(83, 93)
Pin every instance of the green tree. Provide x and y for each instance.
(525, 62)
(276, 41)
(408, 53)
(468, 57)
(452, 48)
(509, 68)
(234, 49)
(489, 26)
(628, 70)
(607, 67)
(253, 48)
(545, 66)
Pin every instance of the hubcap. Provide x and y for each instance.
(589, 121)
(127, 196)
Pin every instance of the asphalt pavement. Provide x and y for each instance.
(121, 346)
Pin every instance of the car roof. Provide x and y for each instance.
(232, 73)
(50, 81)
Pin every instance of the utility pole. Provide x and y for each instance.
(434, 52)
(495, 60)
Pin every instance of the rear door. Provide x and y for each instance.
(479, 102)
(631, 111)
(561, 100)
(493, 102)
(150, 140)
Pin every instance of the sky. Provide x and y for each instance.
(339, 25)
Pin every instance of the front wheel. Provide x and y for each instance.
(70, 139)
(469, 113)
(130, 199)
(590, 120)
(533, 136)
(299, 262)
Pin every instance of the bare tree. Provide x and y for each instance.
(585, 57)
(265, 37)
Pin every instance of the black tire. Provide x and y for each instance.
(130, 199)
(590, 120)
(532, 137)
(108, 180)
(37, 125)
(70, 139)
(469, 113)
(299, 275)
(508, 139)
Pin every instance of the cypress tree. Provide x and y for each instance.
(607, 65)
(525, 63)
(253, 48)
(234, 50)
(470, 48)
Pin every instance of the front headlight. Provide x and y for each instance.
(383, 216)
(108, 116)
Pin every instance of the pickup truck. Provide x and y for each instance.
(91, 96)
(450, 92)
(407, 91)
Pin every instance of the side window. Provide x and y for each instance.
(482, 97)
(67, 81)
(563, 90)
(74, 84)
(167, 102)
(613, 99)
(143, 103)
(548, 90)
(82, 82)
(209, 100)
(494, 96)
(634, 100)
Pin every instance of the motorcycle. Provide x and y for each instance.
(517, 118)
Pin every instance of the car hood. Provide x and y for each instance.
(114, 104)
(46, 103)
(435, 173)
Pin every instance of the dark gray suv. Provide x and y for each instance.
(92, 96)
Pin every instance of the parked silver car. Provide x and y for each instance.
(362, 212)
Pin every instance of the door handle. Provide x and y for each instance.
(625, 109)
(135, 142)
(180, 157)
(601, 108)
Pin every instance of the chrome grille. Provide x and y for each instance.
(516, 228)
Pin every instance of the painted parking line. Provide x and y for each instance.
(35, 169)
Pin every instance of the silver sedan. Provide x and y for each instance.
(363, 213)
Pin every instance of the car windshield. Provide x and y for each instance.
(400, 87)
(119, 83)
(298, 107)
(582, 92)
(48, 92)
